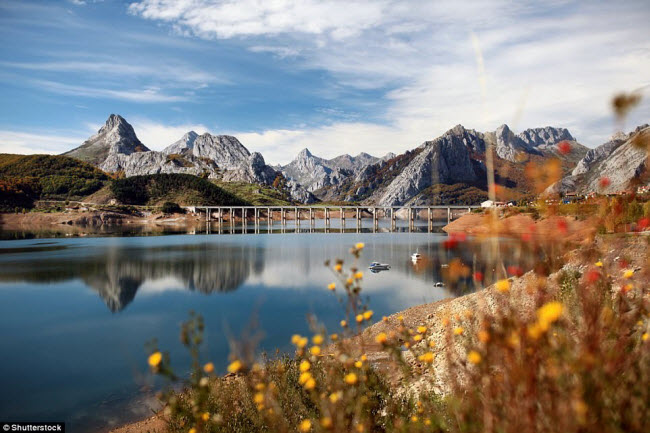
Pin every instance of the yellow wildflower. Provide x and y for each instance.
(364, 358)
(344, 323)
(414, 418)
(503, 286)
(192, 430)
(258, 398)
(349, 281)
(432, 343)
(350, 378)
(644, 337)
(358, 364)
(209, 367)
(427, 422)
(535, 331)
(368, 314)
(235, 366)
(155, 359)
(474, 357)
(422, 329)
(304, 426)
(427, 357)
(381, 338)
(205, 416)
(317, 339)
(458, 331)
(315, 350)
(417, 338)
(260, 386)
(310, 384)
(483, 336)
(338, 267)
(334, 337)
(331, 286)
(304, 377)
(295, 338)
(304, 366)
(599, 264)
(326, 422)
(629, 273)
(548, 314)
(359, 318)
(384, 319)
(358, 275)
(360, 245)
(335, 396)
(400, 318)
(302, 342)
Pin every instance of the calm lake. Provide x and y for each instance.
(75, 313)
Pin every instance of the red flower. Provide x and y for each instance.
(478, 276)
(459, 236)
(526, 237)
(604, 182)
(592, 276)
(515, 270)
(562, 226)
(564, 147)
(643, 223)
(450, 243)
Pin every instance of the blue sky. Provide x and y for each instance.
(334, 76)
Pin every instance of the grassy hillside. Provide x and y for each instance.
(25, 178)
(183, 189)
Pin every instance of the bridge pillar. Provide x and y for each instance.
(429, 220)
(296, 216)
(207, 214)
(448, 215)
(283, 216)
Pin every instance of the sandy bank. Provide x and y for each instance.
(524, 226)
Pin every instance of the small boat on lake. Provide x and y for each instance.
(376, 267)
(416, 257)
(439, 284)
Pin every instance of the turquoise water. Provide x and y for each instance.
(75, 313)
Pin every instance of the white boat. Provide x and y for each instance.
(376, 266)
(439, 284)
(416, 257)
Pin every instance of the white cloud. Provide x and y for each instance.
(27, 143)
(553, 63)
(145, 95)
(176, 74)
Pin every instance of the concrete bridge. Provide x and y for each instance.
(269, 214)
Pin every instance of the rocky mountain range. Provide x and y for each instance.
(116, 148)
(314, 173)
(449, 169)
(611, 167)
(457, 158)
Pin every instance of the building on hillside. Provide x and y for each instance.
(492, 203)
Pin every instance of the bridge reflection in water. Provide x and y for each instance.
(323, 218)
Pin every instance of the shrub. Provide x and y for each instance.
(170, 207)
(141, 190)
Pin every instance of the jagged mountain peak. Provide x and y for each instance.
(115, 137)
(305, 153)
(186, 142)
